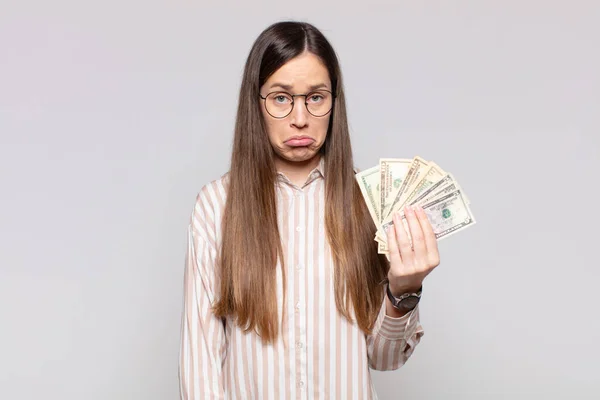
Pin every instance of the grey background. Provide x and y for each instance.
(113, 114)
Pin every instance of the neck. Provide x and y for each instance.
(297, 172)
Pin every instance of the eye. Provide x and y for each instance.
(316, 97)
(281, 98)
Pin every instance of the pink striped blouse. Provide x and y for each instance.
(319, 354)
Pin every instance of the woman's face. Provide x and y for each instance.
(298, 136)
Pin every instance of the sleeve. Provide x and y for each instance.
(203, 340)
(393, 340)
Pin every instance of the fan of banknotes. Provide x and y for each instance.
(397, 182)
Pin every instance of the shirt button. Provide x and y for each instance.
(298, 228)
(297, 307)
(299, 266)
(299, 345)
(300, 384)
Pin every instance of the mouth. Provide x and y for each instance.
(299, 141)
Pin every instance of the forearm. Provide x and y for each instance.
(394, 337)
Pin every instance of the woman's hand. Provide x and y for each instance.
(409, 266)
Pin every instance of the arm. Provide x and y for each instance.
(203, 343)
(393, 340)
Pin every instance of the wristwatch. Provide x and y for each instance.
(406, 301)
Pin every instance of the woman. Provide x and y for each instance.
(285, 293)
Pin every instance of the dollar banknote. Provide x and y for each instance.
(393, 172)
(447, 181)
(369, 183)
(414, 182)
(429, 188)
(433, 175)
(447, 214)
(417, 168)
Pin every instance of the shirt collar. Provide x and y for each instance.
(318, 171)
(321, 167)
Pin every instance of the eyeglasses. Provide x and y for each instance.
(280, 104)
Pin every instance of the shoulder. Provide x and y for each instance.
(209, 206)
(213, 192)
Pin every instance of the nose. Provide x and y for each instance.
(299, 114)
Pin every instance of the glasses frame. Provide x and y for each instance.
(293, 96)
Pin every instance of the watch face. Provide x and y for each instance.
(409, 302)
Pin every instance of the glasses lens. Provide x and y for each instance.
(319, 103)
(279, 104)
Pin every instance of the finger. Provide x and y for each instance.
(403, 241)
(392, 243)
(416, 233)
(431, 241)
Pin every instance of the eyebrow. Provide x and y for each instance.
(289, 87)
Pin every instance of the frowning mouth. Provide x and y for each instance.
(299, 141)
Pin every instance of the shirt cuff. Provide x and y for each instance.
(400, 328)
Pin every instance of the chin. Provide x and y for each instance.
(299, 155)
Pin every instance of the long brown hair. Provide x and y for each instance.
(251, 244)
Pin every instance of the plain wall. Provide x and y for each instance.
(113, 114)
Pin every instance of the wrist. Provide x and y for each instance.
(399, 288)
(406, 299)
(392, 311)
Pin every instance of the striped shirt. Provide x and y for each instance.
(318, 354)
